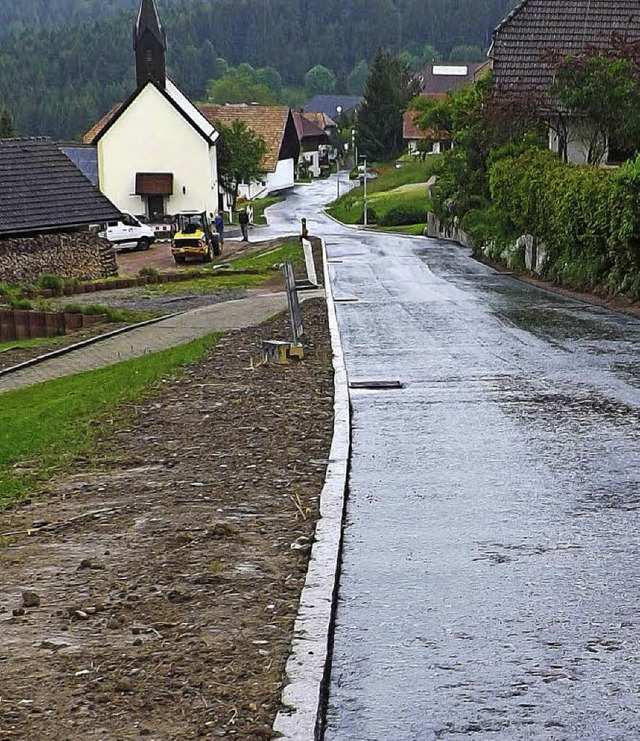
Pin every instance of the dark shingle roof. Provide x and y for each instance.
(41, 190)
(328, 104)
(84, 157)
(536, 27)
(445, 77)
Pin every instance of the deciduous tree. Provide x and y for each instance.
(240, 153)
(319, 80)
(605, 93)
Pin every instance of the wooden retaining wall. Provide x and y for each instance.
(25, 325)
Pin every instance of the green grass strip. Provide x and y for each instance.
(43, 427)
(289, 250)
(228, 280)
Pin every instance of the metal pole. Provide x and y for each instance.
(365, 193)
(337, 177)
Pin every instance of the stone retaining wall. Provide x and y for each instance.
(526, 249)
(73, 255)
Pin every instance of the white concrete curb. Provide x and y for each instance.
(309, 662)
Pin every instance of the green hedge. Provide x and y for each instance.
(588, 217)
(404, 214)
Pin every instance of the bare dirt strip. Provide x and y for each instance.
(151, 592)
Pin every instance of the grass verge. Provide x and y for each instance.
(18, 344)
(44, 427)
(390, 191)
(263, 263)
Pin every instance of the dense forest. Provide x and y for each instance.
(59, 72)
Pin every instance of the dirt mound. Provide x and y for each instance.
(168, 568)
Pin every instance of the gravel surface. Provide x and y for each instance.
(157, 598)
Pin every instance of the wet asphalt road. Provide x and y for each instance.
(489, 585)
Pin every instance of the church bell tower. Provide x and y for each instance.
(150, 44)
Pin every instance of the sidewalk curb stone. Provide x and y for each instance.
(309, 663)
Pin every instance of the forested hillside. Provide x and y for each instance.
(59, 79)
(16, 17)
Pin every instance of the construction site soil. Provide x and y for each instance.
(151, 592)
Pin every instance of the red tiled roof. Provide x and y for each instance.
(306, 128)
(102, 123)
(269, 122)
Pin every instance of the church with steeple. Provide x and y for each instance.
(156, 151)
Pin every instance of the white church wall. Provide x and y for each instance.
(152, 136)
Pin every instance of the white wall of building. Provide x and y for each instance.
(283, 177)
(152, 136)
(579, 135)
(313, 159)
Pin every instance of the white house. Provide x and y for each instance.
(156, 152)
(276, 126)
(536, 33)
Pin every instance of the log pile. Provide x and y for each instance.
(81, 255)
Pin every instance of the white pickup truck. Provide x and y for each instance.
(129, 233)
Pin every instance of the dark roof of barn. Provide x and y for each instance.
(41, 190)
(328, 104)
(307, 129)
(84, 157)
(536, 27)
(445, 77)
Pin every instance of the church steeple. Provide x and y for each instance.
(150, 43)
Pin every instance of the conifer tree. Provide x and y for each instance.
(388, 91)
(7, 125)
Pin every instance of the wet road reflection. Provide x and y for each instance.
(489, 588)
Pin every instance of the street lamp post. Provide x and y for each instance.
(339, 112)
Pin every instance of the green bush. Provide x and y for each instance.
(50, 281)
(22, 304)
(71, 309)
(372, 217)
(587, 217)
(148, 271)
(404, 214)
(489, 227)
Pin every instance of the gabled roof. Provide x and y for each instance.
(307, 129)
(96, 129)
(84, 157)
(411, 132)
(537, 27)
(268, 121)
(41, 190)
(177, 99)
(321, 120)
(445, 77)
(328, 104)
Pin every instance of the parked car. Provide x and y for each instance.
(129, 233)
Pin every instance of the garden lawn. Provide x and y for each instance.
(390, 190)
(43, 427)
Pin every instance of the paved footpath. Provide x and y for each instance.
(220, 317)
